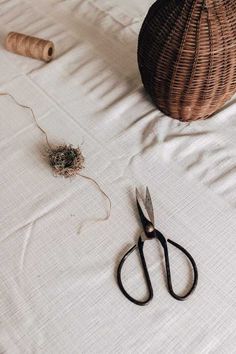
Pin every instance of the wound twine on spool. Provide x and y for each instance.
(65, 160)
(29, 46)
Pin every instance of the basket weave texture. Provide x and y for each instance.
(187, 56)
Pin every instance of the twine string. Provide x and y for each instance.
(32, 113)
(103, 193)
(29, 46)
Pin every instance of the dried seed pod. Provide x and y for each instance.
(187, 56)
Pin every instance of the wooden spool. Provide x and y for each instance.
(187, 56)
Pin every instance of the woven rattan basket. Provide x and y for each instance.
(187, 56)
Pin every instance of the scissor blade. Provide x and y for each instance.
(149, 206)
(138, 196)
(141, 209)
(144, 217)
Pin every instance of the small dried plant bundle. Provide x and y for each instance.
(66, 160)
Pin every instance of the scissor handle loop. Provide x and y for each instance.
(168, 272)
(145, 271)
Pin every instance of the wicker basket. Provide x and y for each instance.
(187, 56)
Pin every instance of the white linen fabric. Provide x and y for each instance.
(58, 291)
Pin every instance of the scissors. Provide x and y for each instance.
(150, 232)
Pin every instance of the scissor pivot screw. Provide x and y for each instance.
(149, 228)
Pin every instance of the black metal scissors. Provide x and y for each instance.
(151, 232)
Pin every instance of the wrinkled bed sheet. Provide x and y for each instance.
(58, 292)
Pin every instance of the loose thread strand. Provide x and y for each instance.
(103, 193)
(33, 115)
(107, 198)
